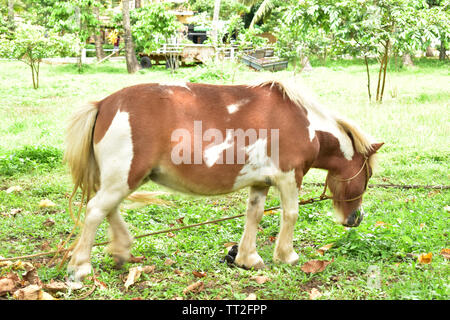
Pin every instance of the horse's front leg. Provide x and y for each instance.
(284, 250)
(247, 256)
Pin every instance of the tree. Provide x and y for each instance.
(130, 53)
(33, 43)
(75, 17)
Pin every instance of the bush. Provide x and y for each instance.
(29, 158)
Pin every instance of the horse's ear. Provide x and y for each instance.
(375, 148)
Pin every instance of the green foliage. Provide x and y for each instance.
(29, 158)
(228, 8)
(33, 43)
(151, 26)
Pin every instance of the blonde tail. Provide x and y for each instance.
(79, 154)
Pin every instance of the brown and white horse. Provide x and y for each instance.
(208, 140)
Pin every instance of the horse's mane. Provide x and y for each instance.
(300, 95)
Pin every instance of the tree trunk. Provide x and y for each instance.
(442, 50)
(215, 21)
(383, 66)
(100, 54)
(306, 65)
(407, 61)
(368, 77)
(11, 25)
(429, 53)
(130, 54)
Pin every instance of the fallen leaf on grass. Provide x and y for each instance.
(49, 222)
(228, 245)
(199, 274)
(314, 294)
(169, 262)
(7, 285)
(46, 203)
(195, 287)
(381, 224)
(251, 296)
(134, 259)
(135, 273)
(425, 258)
(55, 286)
(4, 263)
(270, 212)
(445, 253)
(14, 189)
(32, 277)
(315, 266)
(32, 292)
(325, 248)
(260, 279)
(170, 234)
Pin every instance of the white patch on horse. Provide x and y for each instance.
(259, 166)
(318, 122)
(211, 155)
(114, 152)
(232, 108)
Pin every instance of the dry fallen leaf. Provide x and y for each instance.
(425, 258)
(228, 245)
(4, 263)
(324, 248)
(46, 203)
(32, 277)
(133, 275)
(49, 222)
(32, 292)
(314, 294)
(199, 274)
(148, 269)
(381, 224)
(170, 234)
(315, 266)
(134, 259)
(169, 262)
(55, 286)
(7, 285)
(14, 189)
(446, 253)
(260, 279)
(251, 296)
(194, 288)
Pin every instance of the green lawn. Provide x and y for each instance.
(400, 225)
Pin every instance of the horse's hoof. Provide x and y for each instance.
(253, 261)
(291, 258)
(78, 273)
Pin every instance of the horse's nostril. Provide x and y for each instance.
(355, 218)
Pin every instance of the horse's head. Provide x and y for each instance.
(348, 185)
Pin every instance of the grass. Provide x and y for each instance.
(412, 121)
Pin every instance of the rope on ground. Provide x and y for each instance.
(60, 250)
(303, 202)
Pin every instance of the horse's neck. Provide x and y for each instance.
(332, 155)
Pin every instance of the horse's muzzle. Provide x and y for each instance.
(355, 218)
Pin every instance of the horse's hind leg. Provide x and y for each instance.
(97, 209)
(119, 237)
(247, 256)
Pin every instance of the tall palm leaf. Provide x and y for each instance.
(265, 7)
